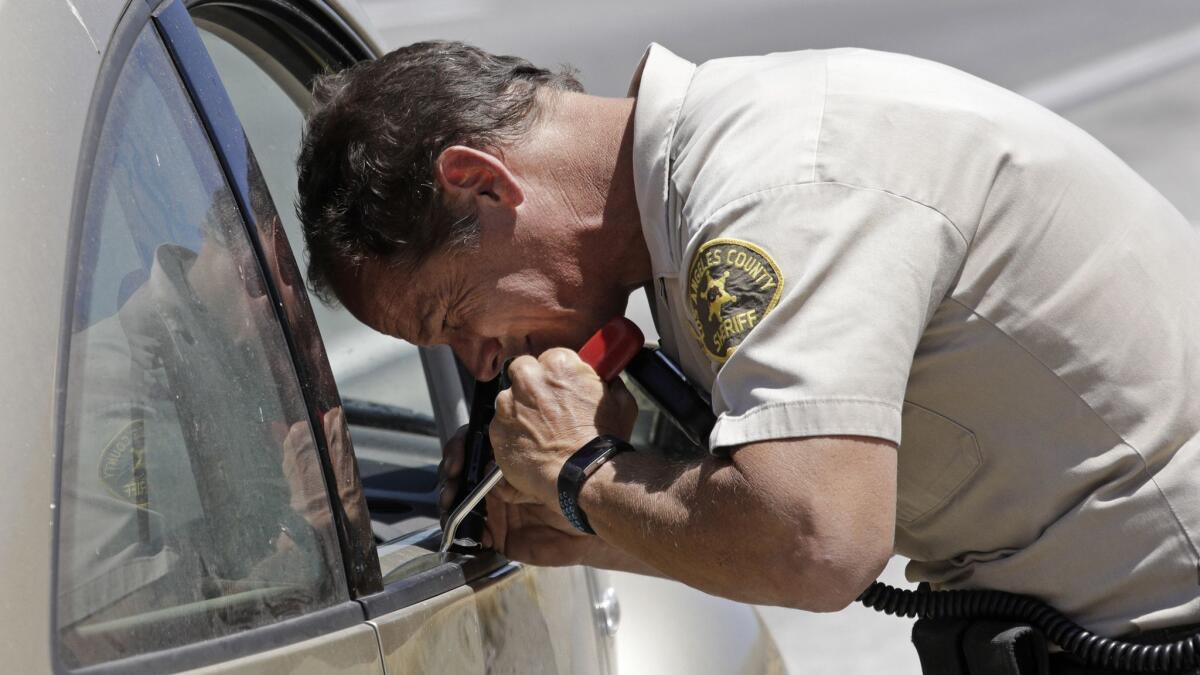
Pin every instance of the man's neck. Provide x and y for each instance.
(586, 148)
(621, 217)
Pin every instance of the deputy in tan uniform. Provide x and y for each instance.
(933, 317)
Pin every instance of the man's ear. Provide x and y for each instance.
(467, 175)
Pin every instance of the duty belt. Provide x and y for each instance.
(988, 647)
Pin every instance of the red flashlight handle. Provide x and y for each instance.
(612, 347)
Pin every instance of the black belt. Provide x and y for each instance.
(989, 647)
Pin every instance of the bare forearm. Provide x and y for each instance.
(730, 528)
(695, 522)
(608, 556)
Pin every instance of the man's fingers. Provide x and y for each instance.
(495, 534)
(505, 492)
(450, 471)
(453, 455)
(626, 405)
(522, 369)
(544, 544)
(447, 491)
(559, 359)
(298, 436)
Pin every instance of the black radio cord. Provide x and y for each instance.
(1071, 637)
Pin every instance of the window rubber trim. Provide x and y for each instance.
(433, 575)
(221, 650)
(129, 26)
(216, 112)
(314, 25)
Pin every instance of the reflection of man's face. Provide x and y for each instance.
(294, 298)
(227, 281)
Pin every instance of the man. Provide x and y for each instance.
(932, 316)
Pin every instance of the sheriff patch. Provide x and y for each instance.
(123, 464)
(732, 285)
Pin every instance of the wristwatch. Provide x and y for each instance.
(578, 468)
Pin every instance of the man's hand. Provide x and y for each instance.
(302, 470)
(521, 529)
(533, 533)
(517, 527)
(555, 405)
(450, 472)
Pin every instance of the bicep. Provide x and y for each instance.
(842, 489)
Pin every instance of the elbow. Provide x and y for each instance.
(835, 572)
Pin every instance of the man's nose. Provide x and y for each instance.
(482, 356)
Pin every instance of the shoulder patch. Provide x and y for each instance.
(732, 285)
(123, 464)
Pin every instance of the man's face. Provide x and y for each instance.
(534, 280)
(487, 306)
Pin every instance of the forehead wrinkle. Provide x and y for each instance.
(428, 292)
(424, 335)
(391, 305)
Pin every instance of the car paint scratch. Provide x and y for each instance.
(79, 18)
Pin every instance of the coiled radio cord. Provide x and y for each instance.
(1093, 649)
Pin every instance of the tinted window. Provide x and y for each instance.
(271, 102)
(265, 70)
(193, 504)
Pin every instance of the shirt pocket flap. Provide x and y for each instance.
(937, 456)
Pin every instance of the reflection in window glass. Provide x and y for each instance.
(269, 102)
(193, 504)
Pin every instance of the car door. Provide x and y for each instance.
(432, 613)
(193, 522)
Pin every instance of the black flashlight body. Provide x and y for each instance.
(682, 402)
(478, 456)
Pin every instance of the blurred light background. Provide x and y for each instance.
(1128, 72)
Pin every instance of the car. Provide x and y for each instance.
(193, 480)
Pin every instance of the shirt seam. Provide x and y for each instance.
(669, 182)
(821, 116)
(809, 402)
(729, 204)
(1124, 441)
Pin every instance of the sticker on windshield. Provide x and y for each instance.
(732, 285)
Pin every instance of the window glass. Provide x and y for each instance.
(398, 470)
(192, 499)
(271, 103)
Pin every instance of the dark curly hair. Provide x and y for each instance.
(365, 172)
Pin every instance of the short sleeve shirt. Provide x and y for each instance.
(850, 242)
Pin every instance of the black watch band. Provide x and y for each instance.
(578, 468)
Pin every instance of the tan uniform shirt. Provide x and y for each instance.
(854, 242)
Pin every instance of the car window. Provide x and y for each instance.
(271, 103)
(397, 448)
(192, 500)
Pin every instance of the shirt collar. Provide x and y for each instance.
(660, 84)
